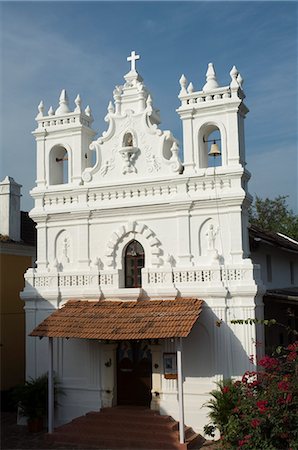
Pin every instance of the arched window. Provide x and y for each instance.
(58, 168)
(134, 262)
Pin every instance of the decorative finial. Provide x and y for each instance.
(234, 73)
(183, 83)
(63, 103)
(211, 81)
(190, 88)
(88, 111)
(51, 111)
(240, 80)
(149, 100)
(78, 102)
(40, 109)
(133, 58)
(111, 108)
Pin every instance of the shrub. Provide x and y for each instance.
(261, 410)
(32, 397)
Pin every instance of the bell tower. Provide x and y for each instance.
(214, 154)
(63, 138)
(213, 114)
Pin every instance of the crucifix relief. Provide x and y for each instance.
(133, 58)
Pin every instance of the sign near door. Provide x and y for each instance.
(170, 365)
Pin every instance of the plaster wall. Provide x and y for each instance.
(13, 264)
(282, 264)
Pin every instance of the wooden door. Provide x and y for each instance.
(134, 373)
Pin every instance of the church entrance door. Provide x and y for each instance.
(134, 373)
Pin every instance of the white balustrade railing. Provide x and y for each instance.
(109, 279)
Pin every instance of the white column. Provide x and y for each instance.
(180, 390)
(50, 388)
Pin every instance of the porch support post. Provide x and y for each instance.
(50, 388)
(180, 390)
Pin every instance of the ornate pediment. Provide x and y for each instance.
(133, 146)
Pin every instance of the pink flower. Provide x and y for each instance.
(225, 389)
(293, 346)
(283, 386)
(288, 398)
(269, 363)
(292, 356)
(255, 423)
(262, 406)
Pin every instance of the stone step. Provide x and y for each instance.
(125, 428)
(123, 420)
(118, 442)
(108, 430)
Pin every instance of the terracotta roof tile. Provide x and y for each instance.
(112, 320)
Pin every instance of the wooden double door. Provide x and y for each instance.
(134, 373)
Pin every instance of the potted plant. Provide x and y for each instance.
(32, 400)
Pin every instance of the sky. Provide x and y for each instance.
(83, 46)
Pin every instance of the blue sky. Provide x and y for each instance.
(82, 46)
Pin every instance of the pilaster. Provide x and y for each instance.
(156, 353)
(108, 363)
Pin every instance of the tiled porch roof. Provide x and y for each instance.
(120, 320)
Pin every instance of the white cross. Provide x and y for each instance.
(133, 58)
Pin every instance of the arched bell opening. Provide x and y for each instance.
(134, 261)
(59, 165)
(210, 146)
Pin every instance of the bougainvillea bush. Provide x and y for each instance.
(261, 410)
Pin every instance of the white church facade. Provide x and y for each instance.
(143, 229)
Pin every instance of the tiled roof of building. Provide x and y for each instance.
(120, 320)
(272, 238)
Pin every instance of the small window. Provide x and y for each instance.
(269, 268)
(292, 274)
(134, 262)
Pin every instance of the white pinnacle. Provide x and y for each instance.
(240, 80)
(183, 83)
(63, 103)
(190, 88)
(78, 102)
(51, 111)
(234, 73)
(211, 81)
(40, 109)
(149, 100)
(111, 107)
(88, 111)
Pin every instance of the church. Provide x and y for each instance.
(143, 258)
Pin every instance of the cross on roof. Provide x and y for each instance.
(133, 58)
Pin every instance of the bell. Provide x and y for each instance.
(214, 150)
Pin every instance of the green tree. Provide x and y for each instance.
(274, 215)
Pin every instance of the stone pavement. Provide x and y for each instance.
(15, 436)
